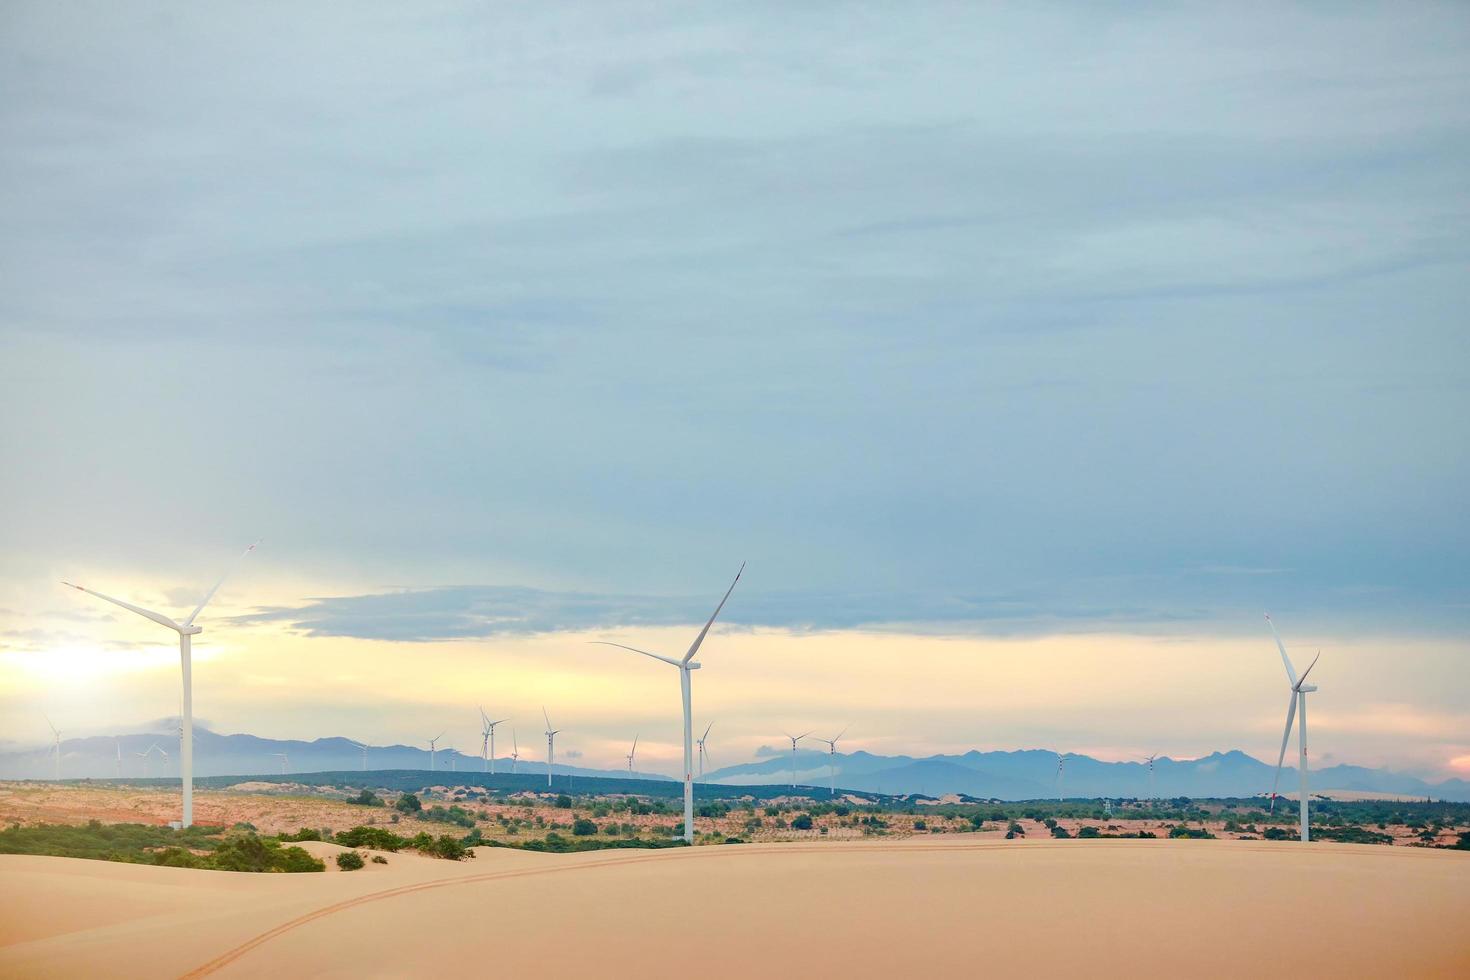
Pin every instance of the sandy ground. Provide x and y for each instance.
(1103, 908)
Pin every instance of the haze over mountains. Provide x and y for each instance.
(1014, 775)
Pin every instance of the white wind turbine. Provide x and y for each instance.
(1150, 760)
(118, 743)
(632, 752)
(551, 734)
(686, 665)
(832, 760)
(148, 757)
(186, 630)
(1061, 758)
(794, 740)
(487, 742)
(703, 755)
(284, 761)
(433, 749)
(515, 753)
(361, 745)
(55, 752)
(1299, 691)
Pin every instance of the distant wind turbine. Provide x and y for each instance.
(703, 754)
(794, 740)
(551, 734)
(147, 757)
(1150, 760)
(284, 761)
(433, 750)
(686, 665)
(118, 743)
(363, 746)
(515, 753)
(632, 752)
(832, 760)
(1299, 691)
(487, 741)
(55, 748)
(1061, 758)
(186, 630)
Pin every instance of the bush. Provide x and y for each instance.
(582, 827)
(251, 853)
(920, 825)
(1058, 831)
(408, 803)
(802, 821)
(563, 802)
(350, 861)
(1192, 833)
(305, 833)
(372, 837)
(367, 798)
(1088, 832)
(379, 859)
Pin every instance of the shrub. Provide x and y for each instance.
(349, 861)
(408, 803)
(1058, 831)
(305, 833)
(563, 802)
(920, 825)
(367, 798)
(582, 827)
(379, 859)
(802, 821)
(372, 837)
(251, 853)
(1088, 832)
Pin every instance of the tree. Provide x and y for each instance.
(802, 821)
(582, 827)
(408, 803)
(563, 802)
(366, 798)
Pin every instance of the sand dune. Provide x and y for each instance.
(1109, 908)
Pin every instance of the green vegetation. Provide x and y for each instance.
(408, 803)
(582, 827)
(367, 798)
(350, 861)
(142, 844)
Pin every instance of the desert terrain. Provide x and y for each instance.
(900, 908)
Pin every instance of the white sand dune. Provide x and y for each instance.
(1103, 908)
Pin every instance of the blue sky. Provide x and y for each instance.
(1090, 318)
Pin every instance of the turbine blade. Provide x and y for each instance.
(158, 618)
(547, 717)
(706, 731)
(210, 594)
(621, 646)
(1285, 738)
(1290, 671)
(1309, 669)
(694, 648)
(839, 735)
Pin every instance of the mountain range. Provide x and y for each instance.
(1006, 775)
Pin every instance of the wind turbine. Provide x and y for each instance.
(515, 753)
(487, 733)
(550, 744)
(703, 755)
(832, 760)
(1061, 758)
(55, 748)
(1150, 760)
(685, 666)
(632, 752)
(363, 746)
(284, 761)
(186, 630)
(155, 747)
(433, 749)
(794, 740)
(1299, 691)
(118, 743)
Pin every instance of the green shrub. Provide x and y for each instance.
(408, 803)
(582, 827)
(802, 821)
(375, 838)
(379, 859)
(366, 798)
(305, 833)
(350, 861)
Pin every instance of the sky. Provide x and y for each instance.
(1027, 356)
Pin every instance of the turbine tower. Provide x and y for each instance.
(433, 749)
(686, 665)
(1061, 758)
(187, 631)
(487, 740)
(515, 753)
(118, 743)
(551, 734)
(1150, 760)
(632, 752)
(794, 740)
(55, 752)
(832, 761)
(703, 755)
(284, 761)
(1299, 691)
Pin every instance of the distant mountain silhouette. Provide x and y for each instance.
(1013, 775)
